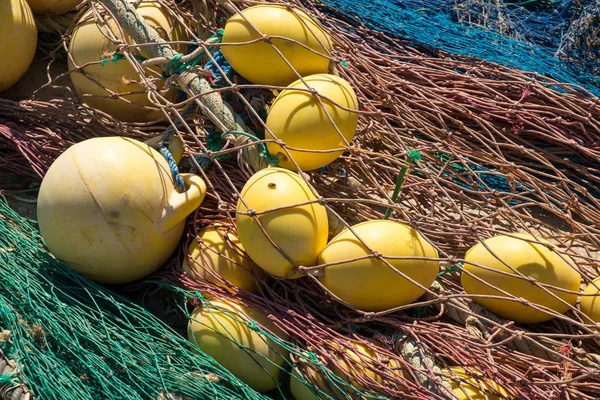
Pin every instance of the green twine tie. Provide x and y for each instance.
(412, 157)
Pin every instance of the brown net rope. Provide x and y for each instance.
(502, 151)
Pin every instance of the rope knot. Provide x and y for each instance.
(174, 66)
(252, 325)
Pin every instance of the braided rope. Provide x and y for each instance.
(210, 103)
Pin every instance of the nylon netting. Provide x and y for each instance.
(557, 42)
(500, 150)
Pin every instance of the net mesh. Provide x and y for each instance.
(500, 150)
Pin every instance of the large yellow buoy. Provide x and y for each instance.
(18, 41)
(300, 231)
(534, 261)
(220, 332)
(109, 209)
(52, 7)
(220, 252)
(297, 118)
(369, 284)
(474, 388)
(360, 356)
(89, 44)
(590, 302)
(259, 62)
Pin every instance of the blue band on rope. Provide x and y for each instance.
(167, 154)
(174, 170)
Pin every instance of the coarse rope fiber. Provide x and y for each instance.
(468, 120)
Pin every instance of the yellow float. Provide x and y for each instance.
(360, 356)
(530, 259)
(297, 118)
(109, 209)
(300, 231)
(590, 302)
(259, 62)
(474, 388)
(52, 7)
(220, 252)
(217, 330)
(89, 44)
(369, 284)
(18, 41)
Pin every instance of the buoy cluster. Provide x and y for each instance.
(109, 207)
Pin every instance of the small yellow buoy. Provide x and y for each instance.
(300, 231)
(534, 261)
(219, 331)
(300, 391)
(89, 44)
(259, 62)
(220, 252)
(590, 302)
(52, 7)
(109, 209)
(360, 357)
(297, 118)
(474, 388)
(369, 284)
(18, 41)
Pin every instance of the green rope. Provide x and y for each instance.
(175, 66)
(454, 268)
(412, 157)
(6, 379)
(118, 57)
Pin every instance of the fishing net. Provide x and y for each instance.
(500, 32)
(484, 149)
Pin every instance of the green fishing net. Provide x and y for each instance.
(71, 338)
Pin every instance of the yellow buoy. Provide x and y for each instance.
(259, 62)
(534, 261)
(109, 209)
(220, 332)
(18, 41)
(369, 284)
(590, 302)
(220, 252)
(300, 231)
(52, 7)
(360, 356)
(297, 118)
(474, 388)
(89, 44)
(300, 391)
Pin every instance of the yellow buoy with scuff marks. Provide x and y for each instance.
(108, 208)
(534, 261)
(218, 251)
(89, 44)
(221, 332)
(258, 61)
(18, 41)
(299, 230)
(362, 359)
(369, 284)
(298, 119)
(469, 387)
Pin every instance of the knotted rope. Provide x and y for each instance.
(196, 87)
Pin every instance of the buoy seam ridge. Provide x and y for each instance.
(102, 212)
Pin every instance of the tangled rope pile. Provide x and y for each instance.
(501, 151)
